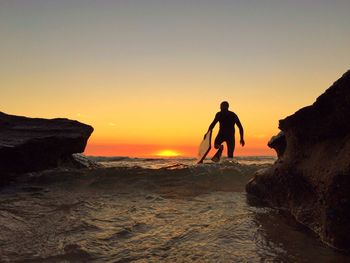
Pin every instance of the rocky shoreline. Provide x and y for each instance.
(311, 178)
(36, 144)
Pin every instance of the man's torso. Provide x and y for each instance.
(227, 121)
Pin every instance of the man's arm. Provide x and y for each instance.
(241, 131)
(212, 125)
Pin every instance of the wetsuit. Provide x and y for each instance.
(227, 120)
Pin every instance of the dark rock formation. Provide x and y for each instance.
(311, 177)
(278, 143)
(33, 144)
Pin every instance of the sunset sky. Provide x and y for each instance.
(149, 75)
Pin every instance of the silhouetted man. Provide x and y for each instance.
(227, 120)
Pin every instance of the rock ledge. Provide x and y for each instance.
(311, 177)
(34, 144)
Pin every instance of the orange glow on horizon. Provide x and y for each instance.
(139, 150)
(256, 147)
(168, 153)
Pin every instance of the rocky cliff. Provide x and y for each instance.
(34, 144)
(311, 177)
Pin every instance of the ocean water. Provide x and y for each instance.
(150, 210)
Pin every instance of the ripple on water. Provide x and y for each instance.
(167, 220)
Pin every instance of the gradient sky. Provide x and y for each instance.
(149, 75)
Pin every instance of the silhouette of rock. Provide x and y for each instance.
(311, 177)
(278, 143)
(34, 144)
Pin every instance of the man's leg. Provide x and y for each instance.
(218, 145)
(218, 141)
(230, 147)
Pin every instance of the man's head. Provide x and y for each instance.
(224, 106)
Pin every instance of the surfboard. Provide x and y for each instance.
(204, 147)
